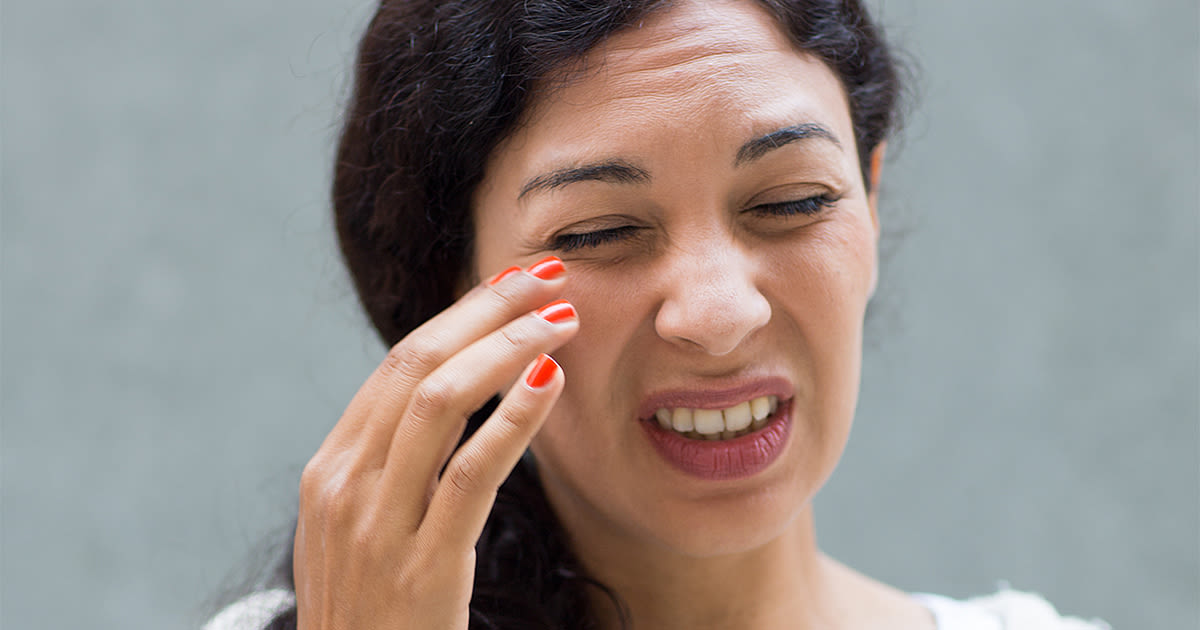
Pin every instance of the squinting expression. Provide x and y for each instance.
(700, 179)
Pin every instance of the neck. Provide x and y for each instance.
(785, 583)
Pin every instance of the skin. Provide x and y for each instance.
(705, 288)
(705, 292)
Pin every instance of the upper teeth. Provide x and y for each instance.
(715, 422)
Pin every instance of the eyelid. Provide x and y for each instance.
(573, 241)
(595, 231)
(809, 206)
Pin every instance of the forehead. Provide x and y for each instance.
(722, 39)
(701, 75)
(723, 54)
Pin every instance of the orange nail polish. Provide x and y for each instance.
(542, 372)
(504, 274)
(548, 268)
(557, 311)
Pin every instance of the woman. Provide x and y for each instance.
(678, 200)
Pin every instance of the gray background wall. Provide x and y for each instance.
(178, 335)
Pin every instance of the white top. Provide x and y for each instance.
(1006, 610)
(253, 611)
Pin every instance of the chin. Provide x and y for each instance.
(747, 518)
(725, 535)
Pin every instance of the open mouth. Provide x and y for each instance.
(712, 448)
(741, 419)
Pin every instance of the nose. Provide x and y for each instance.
(711, 299)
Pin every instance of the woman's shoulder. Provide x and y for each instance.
(1004, 610)
(252, 612)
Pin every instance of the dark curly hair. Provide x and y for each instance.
(438, 85)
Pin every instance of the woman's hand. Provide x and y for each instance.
(382, 540)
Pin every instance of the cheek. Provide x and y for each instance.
(823, 288)
(830, 274)
(610, 312)
(602, 365)
(614, 305)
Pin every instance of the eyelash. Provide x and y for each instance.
(808, 206)
(569, 242)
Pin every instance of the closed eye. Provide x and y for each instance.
(570, 242)
(809, 206)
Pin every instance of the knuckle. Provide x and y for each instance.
(329, 497)
(511, 298)
(466, 475)
(413, 355)
(365, 539)
(338, 495)
(312, 478)
(510, 420)
(510, 341)
(433, 397)
(309, 476)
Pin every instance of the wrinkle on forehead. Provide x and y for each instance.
(692, 32)
(717, 72)
(666, 52)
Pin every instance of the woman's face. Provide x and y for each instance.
(700, 179)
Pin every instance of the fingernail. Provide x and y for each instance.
(504, 274)
(557, 312)
(548, 268)
(542, 372)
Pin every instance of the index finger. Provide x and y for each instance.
(385, 394)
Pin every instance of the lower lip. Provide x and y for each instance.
(717, 460)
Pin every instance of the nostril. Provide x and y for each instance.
(715, 319)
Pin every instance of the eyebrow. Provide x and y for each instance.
(762, 145)
(612, 171)
(622, 172)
